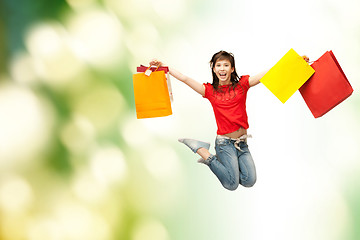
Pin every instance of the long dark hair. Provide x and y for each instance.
(223, 55)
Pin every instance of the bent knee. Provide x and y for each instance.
(231, 186)
(249, 183)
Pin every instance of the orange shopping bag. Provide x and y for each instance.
(151, 94)
(143, 68)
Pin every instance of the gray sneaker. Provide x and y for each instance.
(193, 144)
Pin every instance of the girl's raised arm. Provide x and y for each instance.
(254, 80)
(196, 86)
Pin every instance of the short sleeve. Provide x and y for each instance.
(208, 89)
(244, 80)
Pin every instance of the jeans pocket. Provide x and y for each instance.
(244, 145)
(221, 143)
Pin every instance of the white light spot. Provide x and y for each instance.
(54, 60)
(162, 163)
(44, 229)
(77, 222)
(108, 165)
(87, 188)
(101, 105)
(15, 194)
(150, 229)
(24, 124)
(98, 37)
(23, 69)
(135, 133)
(169, 10)
(78, 135)
(136, 43)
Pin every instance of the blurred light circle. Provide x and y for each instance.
(22, 68)
(87, 188)
(54, 60)
(100, 104)
(132, 129)
(44, 229)
(108, 165)
(44, 39)
(25, 124)
(163, 126)
(162, 162)
(78, 222)
(150, 229)
(15, 194)
(133, 9)
(142, 40)
(169, 10)
(97, 37)
(78, 135)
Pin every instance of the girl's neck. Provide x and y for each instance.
(225, 83)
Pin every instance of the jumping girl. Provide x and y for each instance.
(233, 163)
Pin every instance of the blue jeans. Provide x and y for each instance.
(232, 166)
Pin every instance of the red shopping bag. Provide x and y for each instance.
(327, 88)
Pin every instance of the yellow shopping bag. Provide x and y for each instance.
(287, 75)
(151, 94)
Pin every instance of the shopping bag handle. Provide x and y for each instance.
(148, 70)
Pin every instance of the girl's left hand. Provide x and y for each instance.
(156, 62)
(306, 58)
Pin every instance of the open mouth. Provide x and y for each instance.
(222, 75)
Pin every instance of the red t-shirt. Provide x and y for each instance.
(229, 105)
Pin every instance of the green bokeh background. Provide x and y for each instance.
(75, 163)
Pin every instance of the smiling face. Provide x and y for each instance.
(223, 70)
